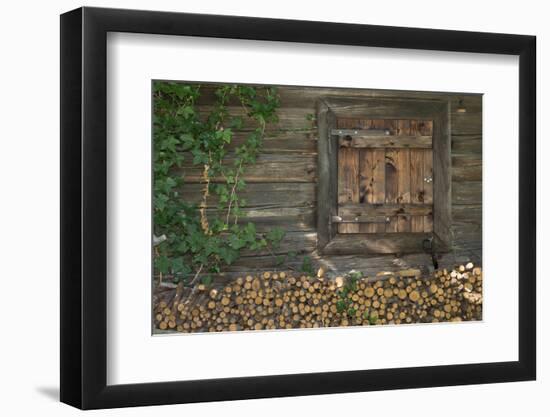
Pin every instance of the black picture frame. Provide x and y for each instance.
(84, 207)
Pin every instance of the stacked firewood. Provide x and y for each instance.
(284, 300)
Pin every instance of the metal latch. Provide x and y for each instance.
(429, 247)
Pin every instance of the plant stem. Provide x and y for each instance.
(203, 205)
(233, 189)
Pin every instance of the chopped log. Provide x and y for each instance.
(280, 300)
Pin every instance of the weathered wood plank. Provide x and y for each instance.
(297, 242)
(469, 103)
(307, 97)
(404, 128)
(425, 127)
(466, 123)
(366, 184)
(368, 264)
(327, 188)
(391, 174)
(291, 219)
(428, 187)
(350, 211)
(269, 195)
(417, 188)
(372, 184)
(413, 127)
(466, 144)
(291, 96)
(467, 192)
(383, 108)
(467, 168)
(268, 168)
(468, 236)
(281, 142)
(361, 243)
(467, 213)
(293, 118)
(385, 141)
(442, 181)
(379, 177)
(348, 183)
(404, 187)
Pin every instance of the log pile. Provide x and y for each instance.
(283, 300)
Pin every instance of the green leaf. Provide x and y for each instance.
(236, 243)
(274, 236)
(236, 122)
(177, 128)
(206, 280)
(341, 306)
(162, 263)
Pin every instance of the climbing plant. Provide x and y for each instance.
(201, 237)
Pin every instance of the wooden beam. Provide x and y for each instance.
(268, 168)
(384, 141)
(441, 165)
(327, 169)
(349, 210)
(360, 132)
(348, 183)
(367, 243)
(383, 108)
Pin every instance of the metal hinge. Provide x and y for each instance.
(338, 219)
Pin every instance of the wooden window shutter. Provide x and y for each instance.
(385, 176)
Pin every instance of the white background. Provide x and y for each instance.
(29, 177)
(133, 60)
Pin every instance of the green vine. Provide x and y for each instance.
(199, 238)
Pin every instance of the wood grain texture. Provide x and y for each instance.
(289, 118)
(289, 219)
(348, 183)
(369, 264)
(403, 187)
(467, 192)
(442, 181)
(466, 123)
(428, 188)
(349, 211)
(417, 187)
(277, 199)
(307, 97)
(467, 167)
(359, 243)
(466, 144)
(383, 108)
(372, 184)
(391, 173)
(404, 128)
(300, 142)
(269, 194)
(268, 168)
(366, 186)
(424, 127)
(327, 188)
(385, 141)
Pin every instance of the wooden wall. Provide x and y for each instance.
(281, 188)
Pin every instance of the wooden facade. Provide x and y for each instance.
(283, 187)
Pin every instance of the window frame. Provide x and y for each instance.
(329, 241)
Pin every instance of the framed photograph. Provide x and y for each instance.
(257, 208)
